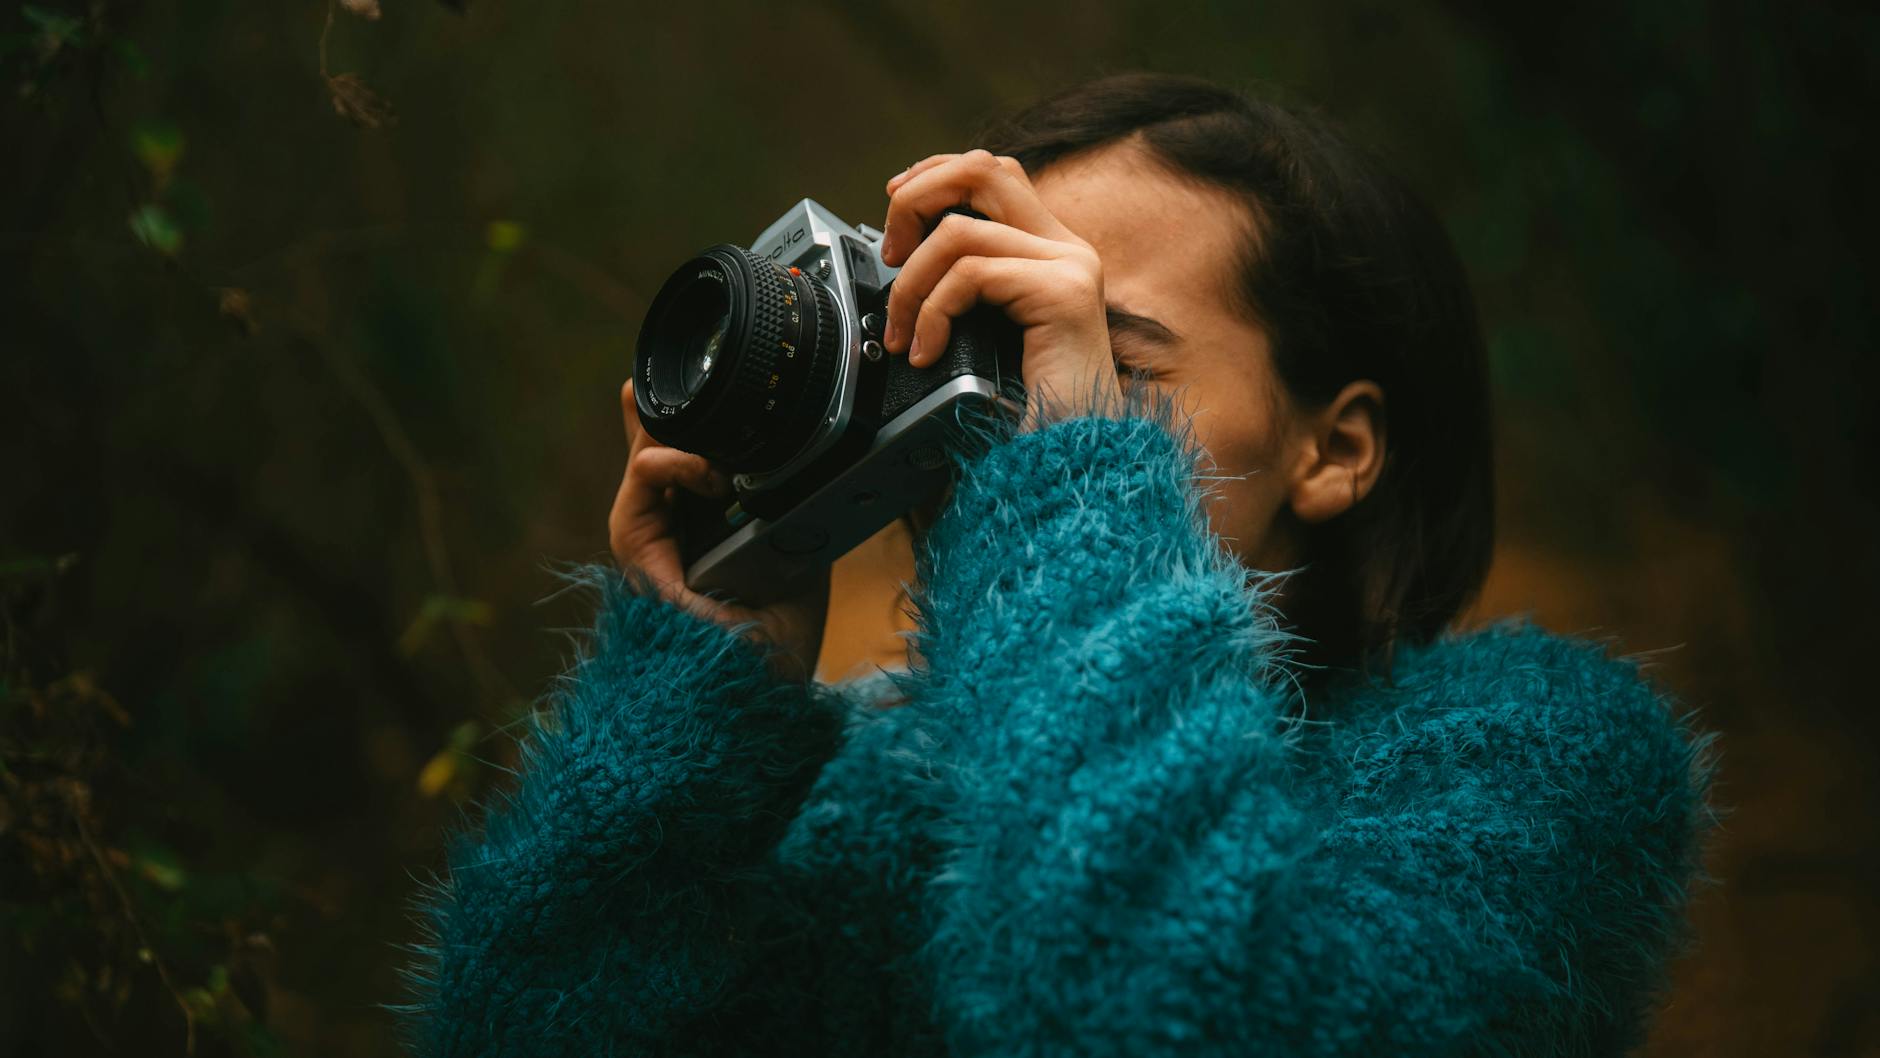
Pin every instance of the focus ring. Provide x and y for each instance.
(772, 372)
(763, 356)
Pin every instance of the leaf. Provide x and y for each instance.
(159, 145)
(160, 869)
(235, 306)
(36, 567)
(505, 236)
(438, 609)
(133, 58)
(262, 1043)
(451, 762)
(366, 9)
(154, 227)
(465, 735)
(55, 28)
(358, 104)
(438, 772)
(200, 1003)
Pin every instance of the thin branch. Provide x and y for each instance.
(390, 429)
(430, 506)
(326, 32)
(137, 924)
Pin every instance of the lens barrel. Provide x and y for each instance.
(737, 359)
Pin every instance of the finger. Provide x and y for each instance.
(976, 180)
(659, 560)
(661, 467)
(1015, 167)
(956, 292)
(640, 527)
(1030, 291)
(901, 178)
(630, 416)
(916, 169)
(894, 182)
(642, 511)
(639, 530)
(618, 516)
(955, 237)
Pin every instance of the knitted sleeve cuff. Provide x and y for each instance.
(667, 726)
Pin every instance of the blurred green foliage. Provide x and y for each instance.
(316, 316)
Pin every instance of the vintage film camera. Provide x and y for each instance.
(768, 361)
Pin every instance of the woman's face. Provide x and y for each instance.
(1168, 249)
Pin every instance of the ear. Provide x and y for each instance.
(1340, 453)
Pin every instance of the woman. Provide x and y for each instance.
(1137, 797)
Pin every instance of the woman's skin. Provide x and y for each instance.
(1122, 275)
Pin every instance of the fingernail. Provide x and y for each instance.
(888, 336)
(913, 352)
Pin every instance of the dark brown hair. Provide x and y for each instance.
(1352, 277)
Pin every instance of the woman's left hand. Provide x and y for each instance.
(1022, 258)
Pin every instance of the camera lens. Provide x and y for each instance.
(699, 317)
(737, 359)
(698, 360)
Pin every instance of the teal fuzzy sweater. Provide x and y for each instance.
(1100, 825)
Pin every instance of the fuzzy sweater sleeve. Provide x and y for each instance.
(596, 911)
(1139, 861)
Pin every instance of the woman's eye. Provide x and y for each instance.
(1133, 372)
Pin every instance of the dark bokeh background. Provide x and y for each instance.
(295, 414)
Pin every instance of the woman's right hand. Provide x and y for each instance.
(643, 528)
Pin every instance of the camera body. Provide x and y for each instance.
(768, 360)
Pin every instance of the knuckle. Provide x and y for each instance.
(644, 463)
(932, 311)
(953, 225)
(1084, 283)
(982, 159)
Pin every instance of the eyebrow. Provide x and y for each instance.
(1133, 325)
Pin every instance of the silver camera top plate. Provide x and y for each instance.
(810, 237)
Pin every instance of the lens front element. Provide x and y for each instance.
(698, 317)
(737, 359)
